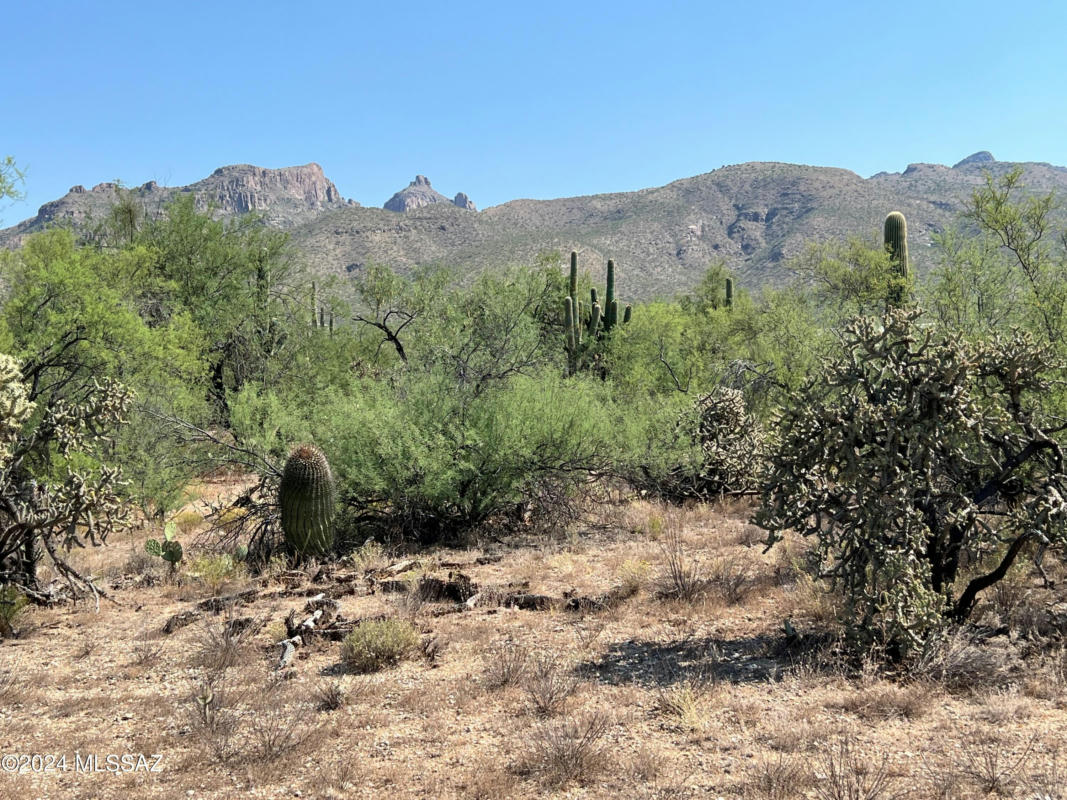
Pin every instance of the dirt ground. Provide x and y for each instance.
(687, 686)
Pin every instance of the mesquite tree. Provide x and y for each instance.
(923, 467)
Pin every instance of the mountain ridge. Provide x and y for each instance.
(754, 216)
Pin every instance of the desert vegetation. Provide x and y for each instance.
(512, 536)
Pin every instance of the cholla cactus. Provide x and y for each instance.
(731, 444)
(923, 466)
(15, 409)
(56, 512)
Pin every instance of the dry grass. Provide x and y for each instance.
(886, 700)
(506, 665)
(567, 751)
(146, 649)
(843, 774)
(779, 777)
(548, 682)
(710, 698)
(681, 578)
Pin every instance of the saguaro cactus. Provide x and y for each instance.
(307, 497)
(729, 292)
(896, 244)
(594, 324)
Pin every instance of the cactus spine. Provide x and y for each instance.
(307, 496)
(896, 244)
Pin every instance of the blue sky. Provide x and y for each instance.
(505, 100)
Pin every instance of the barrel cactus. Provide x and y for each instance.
(307, 497)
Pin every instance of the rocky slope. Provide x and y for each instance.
(285, 197)
(754, 216)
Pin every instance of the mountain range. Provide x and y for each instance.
(754, 216)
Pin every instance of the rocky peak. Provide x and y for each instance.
(981, 157)
(420, 193)
(242, 187)
(285, 197)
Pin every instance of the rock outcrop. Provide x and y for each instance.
(241, 188)
(981, 157)
(420, 193)
(285, 197)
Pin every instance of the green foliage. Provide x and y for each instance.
(973, 288)
(910, 455)
(427, 454)
(215, 571)
(307, 498)
(377, 644)
(10, 177)
(1017, 225)
(847, 278)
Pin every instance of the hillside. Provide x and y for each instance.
(754, 215)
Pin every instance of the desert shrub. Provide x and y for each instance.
(12, 603)
(549, 682)
(506, 665)
(377, 644)
(425, 457)
(215, 571)
(922, 466)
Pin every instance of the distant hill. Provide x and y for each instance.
(754, 215)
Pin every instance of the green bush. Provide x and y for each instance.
(378, 644)
(426, 457)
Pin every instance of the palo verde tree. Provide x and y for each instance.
(924, 467)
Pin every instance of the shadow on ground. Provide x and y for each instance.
(754, 659)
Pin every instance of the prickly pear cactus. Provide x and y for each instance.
(170, 549)
(307, 497)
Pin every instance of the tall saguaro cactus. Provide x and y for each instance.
(581, 328)
(307, 496)
(896, 244)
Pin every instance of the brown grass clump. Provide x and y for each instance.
(568, 751)
(506, 665)
(848, 776)
(548, 683)
(886, 700)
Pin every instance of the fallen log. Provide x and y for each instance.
(180, 620)
(216, 605)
